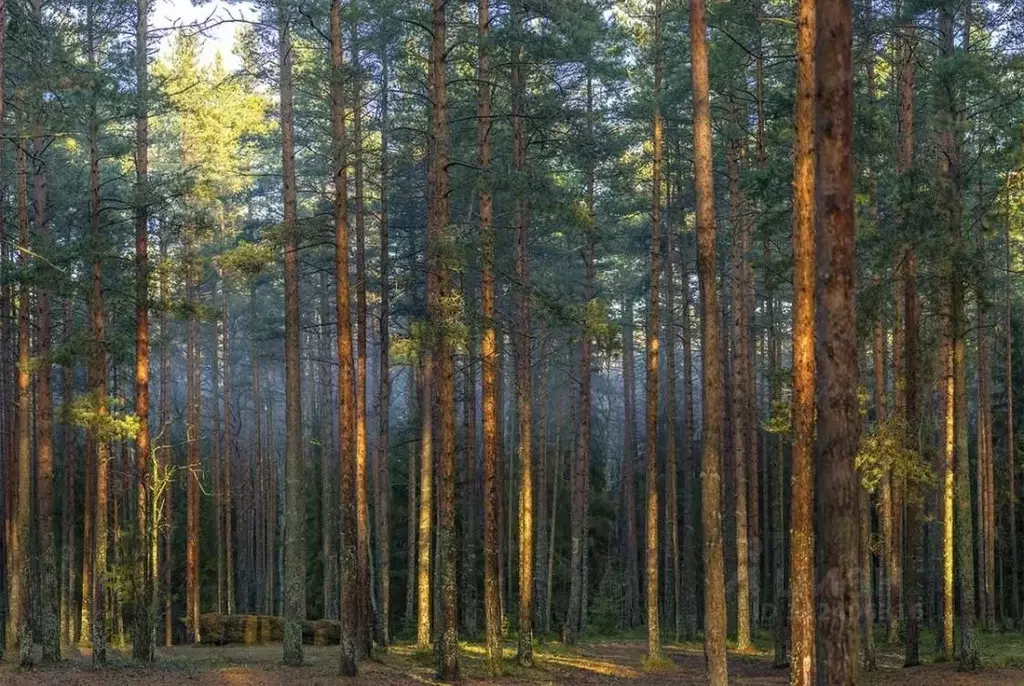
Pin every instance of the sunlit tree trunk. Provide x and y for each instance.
(294, 458)
(363, 617)
(801, 606)
(713, 405)
(346, 399)
(523, 340)
(653, 313)
(444, 319)
(488, 352)
(142, 645)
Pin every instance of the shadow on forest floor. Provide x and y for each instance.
(592, 662)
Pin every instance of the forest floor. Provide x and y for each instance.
(593, 662)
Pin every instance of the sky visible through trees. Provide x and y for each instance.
(394, 325)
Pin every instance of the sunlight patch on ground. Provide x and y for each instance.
(591, 665)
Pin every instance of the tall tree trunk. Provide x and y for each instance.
(985, 499)
(294, 459)
(166, 457)
(142, 645)
(68, 634)
(801, 607)
(425, 514)
(713, 405)
(1011, 473)
(541, 589)
(581, 465)
(414, 400)
(740, 381)
(228, 457)
(193, 399)
(653, 312)
(364, 619)
(19, 627)
(671, 432)
(346, 415)
(912, 567)
(964, 536)
(382, 483)
(556, 477)
(468, 576)
(690, 473)
(99, 381)
(217, 466)
(631, 612)
(522, 340)
(8, 366)
(47, 627)
(838, 425)
(948, 475)
(443, 319)
(488, 353)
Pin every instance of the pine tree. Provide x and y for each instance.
(711, 373)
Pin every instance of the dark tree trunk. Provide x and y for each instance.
(838, 425)
(294, 458)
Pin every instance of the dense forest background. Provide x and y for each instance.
(447, 320)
